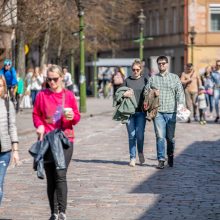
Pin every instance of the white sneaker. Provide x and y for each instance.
(54, 217)
(210, 116)
(62, 216)
(132, 163)
(141, 158)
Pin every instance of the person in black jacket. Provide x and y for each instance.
(136, 123)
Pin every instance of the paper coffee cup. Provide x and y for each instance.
(66, 110)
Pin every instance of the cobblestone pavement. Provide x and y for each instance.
(103, 187)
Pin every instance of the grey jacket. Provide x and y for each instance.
(124, 107)
(8, 133)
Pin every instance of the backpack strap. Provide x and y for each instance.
(7, 108)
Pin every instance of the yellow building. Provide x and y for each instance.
(184, 30)
(204, 16)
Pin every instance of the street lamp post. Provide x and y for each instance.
(192, 34)
(72, 66)
(82, 105)
(141, 19)
(95, 69)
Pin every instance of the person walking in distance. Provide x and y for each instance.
(191, 82)
(19, 91)
(36, 83)
(216, 80)
(209, 89)
(170, 95)
(9, 73)
(67, 79)
(136, 123)
(202, 105)
(118, 78)
(50, 113)
(8, 134)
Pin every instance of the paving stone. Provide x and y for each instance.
(103, 187)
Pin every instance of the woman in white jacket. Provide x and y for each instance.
(36, 83)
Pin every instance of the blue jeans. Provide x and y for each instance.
(164, 126)
(209, 100)
(33, 95)
(217, 99)
(135, 127)
(4, 162)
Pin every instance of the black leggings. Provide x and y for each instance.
(57, 183)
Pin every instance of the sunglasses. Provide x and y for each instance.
(162, 63)
(136, 70)
(52, 79)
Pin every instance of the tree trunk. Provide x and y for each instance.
(45, 46)
(60, 47)
(20, 53)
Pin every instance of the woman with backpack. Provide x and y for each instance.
(8, 134)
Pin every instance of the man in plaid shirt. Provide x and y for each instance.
(170, 95)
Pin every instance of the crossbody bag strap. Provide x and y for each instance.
(63, 106)
(7, 109)
(63, 100)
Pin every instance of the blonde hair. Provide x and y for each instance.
(138, 63)
(55, 69)
(2, 78)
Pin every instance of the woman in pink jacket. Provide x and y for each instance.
(54, 108)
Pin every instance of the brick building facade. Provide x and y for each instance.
(167, 31)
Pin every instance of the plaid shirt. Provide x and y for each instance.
(171, 91)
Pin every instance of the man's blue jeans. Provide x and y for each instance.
(135, 128)
(164, 126)
(217, 99)
(4, 162)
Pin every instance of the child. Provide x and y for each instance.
(202, 105)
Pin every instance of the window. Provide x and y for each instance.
(150, 24)
(174, 15)
(157, 19)
(166, 21)
(181, 19)
(214, 10)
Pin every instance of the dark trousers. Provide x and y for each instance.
(57, 183)
(202, 114)
(70, 87)
(33, 95)
(18, 98)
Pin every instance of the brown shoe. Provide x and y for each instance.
(160, 164)
(141, 158)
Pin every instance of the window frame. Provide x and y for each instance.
(211, 7)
